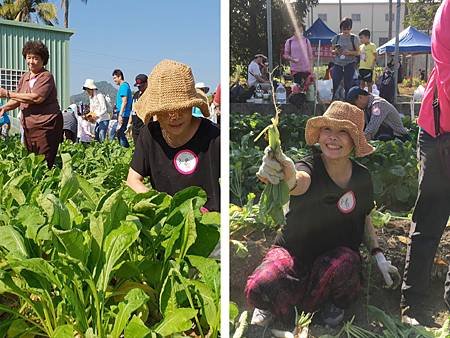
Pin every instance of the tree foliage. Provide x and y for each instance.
(29, 11)
(248, 27)
(421, 13)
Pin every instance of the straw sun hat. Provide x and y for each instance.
(170, 87)
(341, 115)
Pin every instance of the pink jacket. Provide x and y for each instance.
(440, 49)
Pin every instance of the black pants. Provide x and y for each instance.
(343, 72)
(430, 217)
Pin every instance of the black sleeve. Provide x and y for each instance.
(306, 165)
(140, 162)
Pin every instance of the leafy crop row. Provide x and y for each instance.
(81, 254)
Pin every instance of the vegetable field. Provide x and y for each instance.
(82, 255)
(394, 171)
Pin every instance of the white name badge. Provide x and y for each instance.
(185, 161)
(347, 202)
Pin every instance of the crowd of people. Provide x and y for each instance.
(174, 147)
(314, 263)
(351, 71)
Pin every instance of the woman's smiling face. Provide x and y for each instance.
(176, 122)
(34, 63)
(335, 143)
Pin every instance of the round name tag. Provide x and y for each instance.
(347, 202)
(185, 161)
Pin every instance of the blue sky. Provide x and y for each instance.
(134, 35)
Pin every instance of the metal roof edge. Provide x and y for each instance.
(36, 26)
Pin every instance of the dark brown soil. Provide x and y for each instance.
(393, 239)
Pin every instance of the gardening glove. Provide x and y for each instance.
(270, 169)
(386, 269)
(289, 170)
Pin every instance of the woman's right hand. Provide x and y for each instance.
(275, 167)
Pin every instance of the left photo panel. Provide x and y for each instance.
(110, 168)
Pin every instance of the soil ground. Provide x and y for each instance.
(393, 239)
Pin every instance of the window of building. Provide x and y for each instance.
(356, 17)
(382, 41)
(386, 17)
(323, 17)
(9, 78)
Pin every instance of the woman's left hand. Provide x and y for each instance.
(387, 269)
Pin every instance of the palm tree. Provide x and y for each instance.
(65, 7)
(29, 11)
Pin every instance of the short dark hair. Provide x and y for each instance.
(346, 23)
(118, 72)
(36, 48)
(364, 32)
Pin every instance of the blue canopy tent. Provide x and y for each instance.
(319, 32)
(320, 35)
(411, 41)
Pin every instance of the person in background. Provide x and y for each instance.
(36, 97)
(432, 209)
(124, 101)
(329, 71)
(98, 108)
(112, 127)
(5, 125)
(87, 128)
(383, 121)
(70, 125)
(298, 51)
(178, 150)
(315, 264)
(368, 56)
(136, 122)
(196, 112)
(254, 75)
(345, 48)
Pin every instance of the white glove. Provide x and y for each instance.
(288, 168)
(270, 169)
(277, 167)
(386, 269)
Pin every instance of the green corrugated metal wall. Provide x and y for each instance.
(13, 36)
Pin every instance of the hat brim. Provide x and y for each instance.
(313, 126)
(92, 88)
(199, 100)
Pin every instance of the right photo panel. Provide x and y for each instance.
(339, 168)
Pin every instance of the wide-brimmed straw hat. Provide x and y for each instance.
(341, 115)
(170, 87)
(89, 84)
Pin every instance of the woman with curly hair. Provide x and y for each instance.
(36, 97)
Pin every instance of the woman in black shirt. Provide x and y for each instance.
(315, 263)
(178, 150)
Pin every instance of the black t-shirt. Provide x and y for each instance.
(327, 216)
(197, 163)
